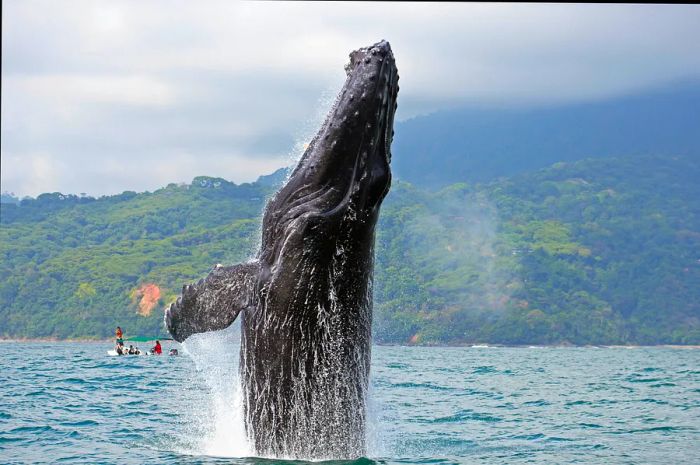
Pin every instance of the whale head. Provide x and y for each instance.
(345, 168)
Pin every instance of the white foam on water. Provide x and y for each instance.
(217, 414)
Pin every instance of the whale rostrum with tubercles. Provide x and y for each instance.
(306, 300)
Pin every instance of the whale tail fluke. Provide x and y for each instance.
(213, 303)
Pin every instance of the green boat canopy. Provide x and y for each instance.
(147, 339)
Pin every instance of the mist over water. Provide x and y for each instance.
(458, 233)
(449, 264)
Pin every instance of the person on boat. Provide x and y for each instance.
(157, 349)
(120, 335)
(120, 348)
(132, 351)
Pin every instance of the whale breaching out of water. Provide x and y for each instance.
(306, 300)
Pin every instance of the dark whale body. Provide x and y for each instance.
(306, 300)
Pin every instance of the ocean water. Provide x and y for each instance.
(71, 403)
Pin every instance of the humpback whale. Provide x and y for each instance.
(306, 299)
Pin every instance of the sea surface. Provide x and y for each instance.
(72, 403)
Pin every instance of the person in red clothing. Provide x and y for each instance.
(119, 340)
(157, 349)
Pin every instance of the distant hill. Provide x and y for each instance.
(598, 251)
(8, 197)
(480, 144)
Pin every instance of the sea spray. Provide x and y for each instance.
(217, 416)
(374, 437)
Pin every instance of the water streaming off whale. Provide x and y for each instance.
(215, 418)
(213, 422)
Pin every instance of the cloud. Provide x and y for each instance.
(86, 89)
(126, 83)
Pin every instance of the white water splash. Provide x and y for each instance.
(216, 415)
(376, 445)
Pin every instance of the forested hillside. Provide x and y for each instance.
(599, 251)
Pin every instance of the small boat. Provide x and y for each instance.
(113, 353)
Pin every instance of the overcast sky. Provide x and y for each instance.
(106, 96)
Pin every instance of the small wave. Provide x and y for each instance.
(637, 378)
(71, 459)
(652, 401)
(7, 439)
(486, 394)
(577, 402)
(422, 385)
(483, 370)
(40, 392)
(74, 381)
(528, 437)
(32, 429)
(134, 402)
(537, 403)
(590, 425)
(559, 439)
(397, 365)
(655, 429)
(80, 423)
(467, 415)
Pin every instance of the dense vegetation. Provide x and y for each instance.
(600, 251)
(593, 252)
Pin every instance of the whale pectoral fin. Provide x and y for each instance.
(213, 303)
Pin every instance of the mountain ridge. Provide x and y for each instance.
(472, 144)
